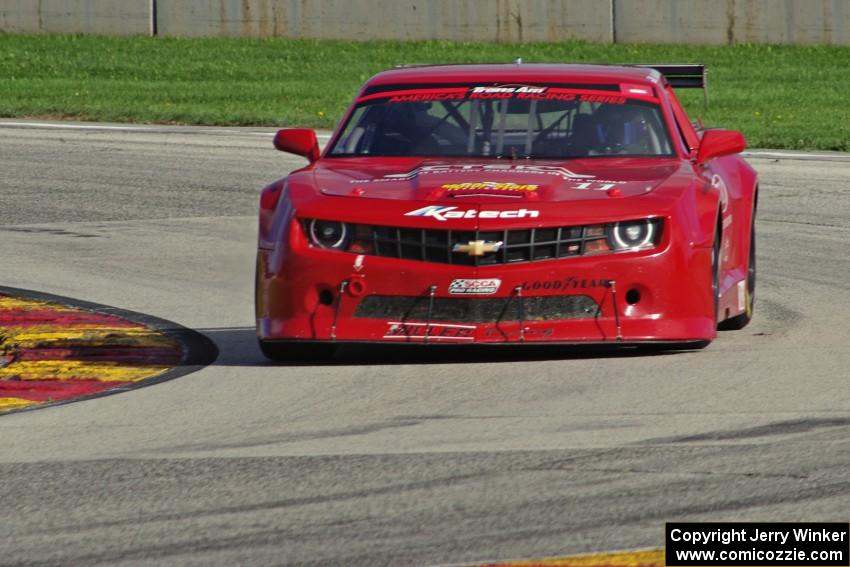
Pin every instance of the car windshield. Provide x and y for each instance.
(517, 121)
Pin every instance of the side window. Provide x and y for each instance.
(351, 138)
(685, 128)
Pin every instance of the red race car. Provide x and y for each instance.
(535, 203)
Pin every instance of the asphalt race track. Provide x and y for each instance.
(385, 456)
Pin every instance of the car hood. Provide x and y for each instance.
(491, 181)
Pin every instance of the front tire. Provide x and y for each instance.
(297, 351)
(715, 274)
(742, 320)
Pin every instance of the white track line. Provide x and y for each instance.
(795, 155)
(75, 126)
(133, 128)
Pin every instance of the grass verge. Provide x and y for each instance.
(779, 96)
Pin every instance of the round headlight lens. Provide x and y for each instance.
(633, 234)
(328, 234)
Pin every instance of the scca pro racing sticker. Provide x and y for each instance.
(434, 332)
(475, 287)
(442, 214)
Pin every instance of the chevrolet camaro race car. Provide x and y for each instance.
(535, 203)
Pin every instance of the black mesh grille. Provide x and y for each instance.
(461, 310)
(435, 245)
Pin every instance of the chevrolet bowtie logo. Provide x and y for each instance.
(477, 247)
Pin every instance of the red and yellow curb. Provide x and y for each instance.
(55, 351)
(642, 558)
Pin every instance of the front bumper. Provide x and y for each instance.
(663, 295)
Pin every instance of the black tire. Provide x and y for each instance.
(297, 351)
(257, 292)
(742, 320)
(715, 274)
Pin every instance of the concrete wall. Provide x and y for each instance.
(459, 20)
(674, 21)
(114, 17)
(732, 21)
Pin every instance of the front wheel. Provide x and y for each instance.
(741, 321)
(297, 351)
(715, 276)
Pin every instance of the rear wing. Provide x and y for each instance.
(690, 76)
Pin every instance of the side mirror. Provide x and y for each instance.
(298, 141)
(716, 143)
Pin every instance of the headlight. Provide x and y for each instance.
(634, 235)
(328, 234)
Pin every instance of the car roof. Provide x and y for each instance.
(521, 72)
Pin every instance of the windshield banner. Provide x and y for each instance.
(502, 92)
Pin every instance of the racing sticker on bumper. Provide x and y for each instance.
(475, 287)
(434, 332)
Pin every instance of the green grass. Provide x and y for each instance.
(779, 96)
